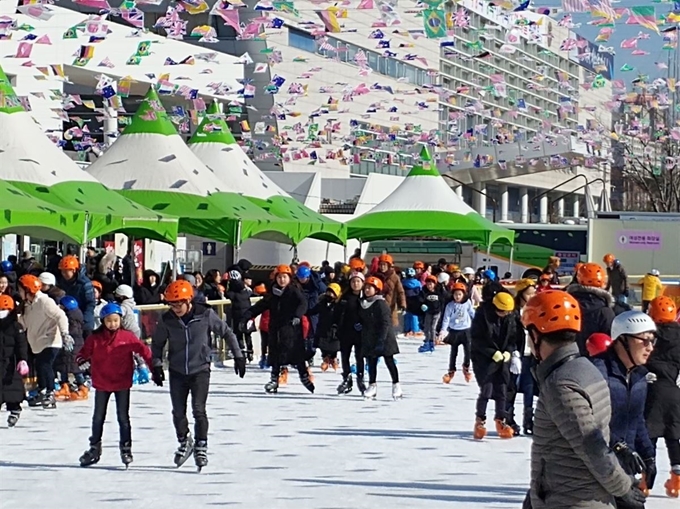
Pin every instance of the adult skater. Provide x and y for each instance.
(186, 329)
(572, 466)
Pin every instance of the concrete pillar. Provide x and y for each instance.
(503, 190)
(543, 209)
(481, 204)
(459, 191)
(524, 204)
(110, 126)
(560, 207)
(577, 206)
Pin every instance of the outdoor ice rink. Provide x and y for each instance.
(291, 450)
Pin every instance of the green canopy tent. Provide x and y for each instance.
(216, 147)
(425, 206)
(151, 164)
(32, 163)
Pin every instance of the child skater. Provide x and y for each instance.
(261, 291)
(109, 355)
(349, 327)
(377, 337)
(432, 304)
(13, 355)
(326, 332)
(455, 327)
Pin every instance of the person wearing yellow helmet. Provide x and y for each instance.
(495, 330)
(326, 332)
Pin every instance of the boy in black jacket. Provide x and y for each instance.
(432, 299)
(239, 295)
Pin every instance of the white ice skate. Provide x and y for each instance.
(396, 391)
(371, 392)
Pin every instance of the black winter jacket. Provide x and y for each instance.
(349, 323)
(147, 294)
(239, 296)
(662, 411)
(490, 334)
(617, 280)
(188, 340)
(13, 348)
(435, 301)
(377, 333)
(596, 310)
(326, 334)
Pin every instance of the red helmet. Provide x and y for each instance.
(598, 343)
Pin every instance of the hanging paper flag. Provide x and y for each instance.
(434, 23)
(604, 34)
(24, 50)
(644, 16)
(286, 6)
(95, 4)
(71, 33)
(36, 11)
(603, 8)
(366, 4)
(330, 21)
(229, 16)
(133, 16)
(629, 43)
(626, 68)
(83, 56)
(575, 5)
(143, 49)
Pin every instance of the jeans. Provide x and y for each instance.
(495, 389)
(198, 385)
(101, 402)
(373, 369)
(44, 366)
(346, 351)
(456, 338)
(430, 326)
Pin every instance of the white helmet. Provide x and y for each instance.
(235, 275)
(655, 272)
(124, 291)
(469, 271)
(632, 323)
(47, 278)
(443, 278)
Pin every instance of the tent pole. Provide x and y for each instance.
(295, 253)
(328, 248)
(237, 242)
(512, 255)
(86, 231)
(344, 252)
(174, 262)
(488, 256)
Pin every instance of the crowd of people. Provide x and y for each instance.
(606, 377)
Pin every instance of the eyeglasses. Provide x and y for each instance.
(176, 305)
(646, 341)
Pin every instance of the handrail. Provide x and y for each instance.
(493, 200)
(163, 307)
(560, 185)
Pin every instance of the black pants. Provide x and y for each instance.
(245, 341)
(495, 388)
(101, 402)
(645, 305)
(44, 366)
(673, 447)
(264, 342)
(198, 385)
(373, 368)
(456, 338)
(345, 352)
(276, 370)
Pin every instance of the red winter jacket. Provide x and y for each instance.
(110, 356)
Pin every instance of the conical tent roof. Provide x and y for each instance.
(32, 163)
(216, 147)
(425, 206)
(151, 164)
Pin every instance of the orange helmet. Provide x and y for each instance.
(385, 258)
(98, 286)
(30, 283)
(459, 286)
(552, 311)
(452, 267)
(283, 269)
(419, 265)
(260, 289)
(376, 282)
(178, 291)
(6, 303)
(608, 258)
(69, 262)
(357, 264)
(662, 310)
(591, 274)
(431, 279)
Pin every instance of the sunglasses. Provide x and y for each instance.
(646, 341)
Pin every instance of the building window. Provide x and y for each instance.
(301, 40)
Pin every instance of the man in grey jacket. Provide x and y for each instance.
(185, 329)
(572, 466)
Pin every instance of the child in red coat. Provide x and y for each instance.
(109, 354)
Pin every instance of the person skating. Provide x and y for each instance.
(651, 287)
(617, 279)
(124, 296)
(47, 332)
(65, 363)
(50, 288)
(413, 314)
(287, 305)
(572, 466)
(622, 366)
(313, 288)
(261, 290)
(393, 291)
(662, 410)
(455, 330)
(185, 329)
(239, 295)
(326, 334)
(349, 329)
(99, 303)
(432, 304)
(377, 337)
(13, 360)
(109, 355)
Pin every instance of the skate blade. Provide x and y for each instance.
(181, 460)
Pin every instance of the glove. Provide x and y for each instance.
(423, 308)
(506, 356)
(634, 499)
(515, 364)
(84, 365)
(650, 472)
(22, 368)
(295, 322)
(630, 460)
(357, 327)
(158, 376)
(650, 377)
(240, 366)
(68, 342)
(497, 357)
(625, 293)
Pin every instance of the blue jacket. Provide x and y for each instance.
(628, 394)
(312, 290)
(412, 291)
(80, 288)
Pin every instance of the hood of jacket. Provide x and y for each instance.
(591, 298)
(411, 283)
(146, 280)
(367, 302)
(668, 336)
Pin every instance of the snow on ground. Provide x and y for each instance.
(291, 450)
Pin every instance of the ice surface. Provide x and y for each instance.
(291, 450)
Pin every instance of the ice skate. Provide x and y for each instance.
(186, 447)
(249, 357)
(126, 454)
(360, 384)
(307, 381)
(528, 423)
(672, 485)
(13, 418)
(92, 455)
(426, 347)
(81, 394)
(48, 401)
(325, 363)
(283, 377)
(480, 428)
(64, 393)
(271, 387)
(201, 454)
(467, 374)
(448, 377)
(263, 362)
(346, 386)
(503, 429)
(397, 392)
(371, 392)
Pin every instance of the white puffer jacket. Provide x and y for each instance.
(45, 323)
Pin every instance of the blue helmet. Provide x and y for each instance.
(303, 272)
(68, 303)
(6, 266)
(490, 274)
(411, 272)
(110, 309)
